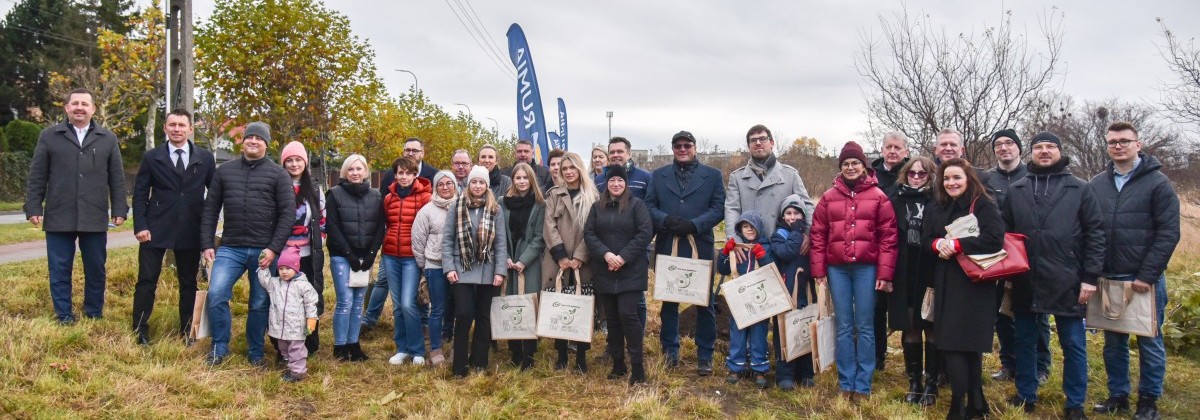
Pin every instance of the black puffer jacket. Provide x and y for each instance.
(998, 181)
(626, 234)
(1060, 217)
(258, 201)
(1141, 220)
(354, 220)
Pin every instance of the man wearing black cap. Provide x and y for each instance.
(1060, 216)
(256, 197)
(1009, 169)
(686, 198)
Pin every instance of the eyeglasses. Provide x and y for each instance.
(413, 151)
(1112, 144)
(461, 164)
(758, 140)
(918, 174)
(1004, 143)
(682, 146)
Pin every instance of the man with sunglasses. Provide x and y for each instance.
(1009, 169)
(686, 198)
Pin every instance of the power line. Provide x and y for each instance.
(477, 24)
(54, 36)
(479, 44)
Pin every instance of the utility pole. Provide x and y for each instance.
(609, 124)
(181, 63)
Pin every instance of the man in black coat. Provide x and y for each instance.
(77, 175)
(1141, 217)
(1061, 218)
(887, 168)
(523, 151)
(686, 198)
(1009, 169)
(168, 197)
(259, 208)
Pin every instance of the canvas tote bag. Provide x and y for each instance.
(795, 334)
(680, 279)
(514, 317)
(824, 337)
(566, 316)
(1117, 308)
(757, 295)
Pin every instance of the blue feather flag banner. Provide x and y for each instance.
(561, 142)
(531, 121)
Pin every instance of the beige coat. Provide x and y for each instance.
(561, 228)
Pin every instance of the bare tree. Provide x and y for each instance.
(920, 79)
(1082, 129)
(1182, 98)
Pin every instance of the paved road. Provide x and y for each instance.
(26, 251)
(9, 218)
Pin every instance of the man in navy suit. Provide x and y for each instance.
(168, 197)
(686, 198)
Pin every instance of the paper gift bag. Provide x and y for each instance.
(824, 343)
(1116, 307)
(566, 316)
(199, 328)
(824, 301)
(514, 317)
(680, 279)
(794, 332)
(927, 305)
(757, 295)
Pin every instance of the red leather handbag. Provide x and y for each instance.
(1015, 263)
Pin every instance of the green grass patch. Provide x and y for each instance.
(95, 369)
(26, 232)
(12, 206)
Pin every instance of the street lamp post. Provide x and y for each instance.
(495, 126)
(469, 113)
(610, 124)
(416, 84)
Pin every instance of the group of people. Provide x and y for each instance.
(878, 240)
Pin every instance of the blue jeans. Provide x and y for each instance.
(438, 288)
(379, 295)
(1004, 336)
(706, 330)
(60, 259)
(1152, 355)
(403, 280)
(749, 342)
(1071, 338)
(230, 264)
(347, 312)
(853, 289)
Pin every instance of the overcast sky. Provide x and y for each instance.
(718, 67)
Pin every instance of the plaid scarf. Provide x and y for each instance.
(474, 249)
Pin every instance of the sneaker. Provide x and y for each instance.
(258, 363)
(214, 359)
(418, 361)
(1147, 409)
(786, 384)
(760, 380)
(704, 368)
(733, 378)
(290, 377)
(1113, 405)
(1003, 375)
(399, 359)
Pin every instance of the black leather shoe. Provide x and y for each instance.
(1074, 414)
(1027, 406)
(1147, 409)
(704, 368)
(1113, 405)
(214, 360)
(143, 337)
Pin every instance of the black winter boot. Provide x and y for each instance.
(355, 352)
(581, 357)
(340, 353)
(561, 362)
(912, 367)
(638, 376)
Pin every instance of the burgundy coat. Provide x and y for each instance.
(852, 227)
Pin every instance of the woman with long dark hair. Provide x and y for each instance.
(525, 216)
(307, 229)
(914, 274)
(963, 310)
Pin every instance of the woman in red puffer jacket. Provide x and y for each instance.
(854, 244)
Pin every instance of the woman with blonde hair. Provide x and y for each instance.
(475, 236)
(524, 216)
(599, 161)
(567, 207)
(355, 228)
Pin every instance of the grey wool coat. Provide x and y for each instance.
(483, 272)
(292, 303)
(77, 188)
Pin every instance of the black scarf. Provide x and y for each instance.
(684, 171)
(494, 177)
(357, 189)
(850, 184)
(404, 191)
(519, 209)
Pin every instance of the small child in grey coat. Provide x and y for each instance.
(293, 311)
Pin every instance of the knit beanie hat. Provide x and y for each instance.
(1007, 132)
(296, 149)
(616, 171)
(1046, 137)
(852, 151)
(290, 257)
(481, 173)
(442, 174)
(257, 128)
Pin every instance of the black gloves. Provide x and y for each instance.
(679, 225)
(354, 264)
(368, 262)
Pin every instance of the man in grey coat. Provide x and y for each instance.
(762, 185)
(76, 183)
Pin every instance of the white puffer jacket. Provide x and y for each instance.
(292, 303)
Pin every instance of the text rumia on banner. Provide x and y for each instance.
(531, 122)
